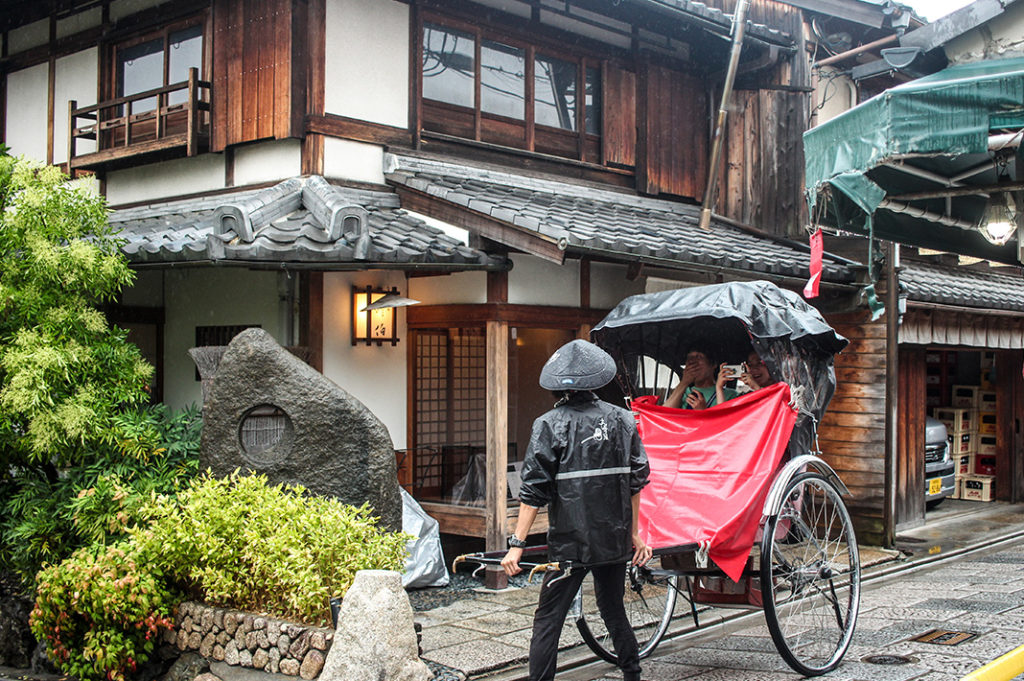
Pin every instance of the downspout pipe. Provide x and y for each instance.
(739, 22)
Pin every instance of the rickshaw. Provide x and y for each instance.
(741, 510)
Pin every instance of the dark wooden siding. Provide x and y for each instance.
(910, 438)
(618, 145)
(762, 184)
(674, 133)
(852, 433)
(258, 70)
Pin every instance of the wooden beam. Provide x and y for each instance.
(585, 283)
(482, 225)
(497, 434)
(497, 287)
(179, 142)
(545, 316)
(468, 521)
(334, 125)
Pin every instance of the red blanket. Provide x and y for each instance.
(711, 470)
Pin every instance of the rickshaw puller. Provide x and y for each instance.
(585, 461)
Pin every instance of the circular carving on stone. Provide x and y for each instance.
(265, 434)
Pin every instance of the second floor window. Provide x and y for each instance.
(157, 61)
(497, 89)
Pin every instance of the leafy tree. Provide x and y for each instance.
(67, 378)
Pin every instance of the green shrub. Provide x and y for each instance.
(45, 517)
(240, 542)
(101, 611)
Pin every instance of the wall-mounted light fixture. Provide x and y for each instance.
(999, 223)
(373, 315)
(1002, 215)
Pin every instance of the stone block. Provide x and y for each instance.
(206, 645)
(318, 640)
(375, 638)
(289, 667)
(311, 664)
(299, 646)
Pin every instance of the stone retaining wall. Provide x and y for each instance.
(247, 640)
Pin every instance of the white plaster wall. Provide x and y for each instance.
(267, 161)
(27, 96)
(170, 178)
(79, 21)
(367, 60)
(468, 288)
(348, 160)
(609, 285)
(376, 376)
(28, 36)
(211, 297)
(1001, 38)
(75, 78)
(833, 94)
(534, 281)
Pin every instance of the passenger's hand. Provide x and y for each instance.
(724, 375)
(641, 551)
(690, 372)
(510, 563)
(696, 400)
(749, 380)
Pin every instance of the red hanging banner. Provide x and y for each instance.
(817, 247)
(711, 470)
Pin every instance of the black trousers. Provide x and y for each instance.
(555, 601)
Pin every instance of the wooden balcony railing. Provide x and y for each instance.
(123, 134)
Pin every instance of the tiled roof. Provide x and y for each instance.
(716, 16)
(597, 221)
(987, 289)
(300, 220)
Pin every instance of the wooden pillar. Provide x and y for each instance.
(497, 446)
(892, 317)
(1009, 435)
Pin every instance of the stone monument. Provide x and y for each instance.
(268, 411)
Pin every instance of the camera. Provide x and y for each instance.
(736, 369)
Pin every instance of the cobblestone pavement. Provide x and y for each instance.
(982, 594)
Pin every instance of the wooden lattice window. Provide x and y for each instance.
(449, 406)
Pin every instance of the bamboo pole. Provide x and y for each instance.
(739, 22)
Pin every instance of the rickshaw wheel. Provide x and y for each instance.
(810, 576)
(649, 599)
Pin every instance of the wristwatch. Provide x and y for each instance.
(515, 542)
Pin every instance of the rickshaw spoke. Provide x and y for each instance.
(810, 621)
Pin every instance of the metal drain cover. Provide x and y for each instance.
(888, 659)
(944, 637)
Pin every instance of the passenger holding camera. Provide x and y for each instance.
(754, 372)
(699, 388)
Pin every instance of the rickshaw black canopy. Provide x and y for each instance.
(730, 319)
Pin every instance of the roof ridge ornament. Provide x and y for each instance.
(337, 215)
(246, 218)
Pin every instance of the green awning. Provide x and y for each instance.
(919, 138)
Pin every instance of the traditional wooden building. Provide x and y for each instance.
(955, 346)
(516, 166)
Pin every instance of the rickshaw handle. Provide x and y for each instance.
(773, 502)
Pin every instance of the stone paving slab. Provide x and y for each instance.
(478, 656)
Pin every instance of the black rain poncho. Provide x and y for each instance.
(585, 461)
